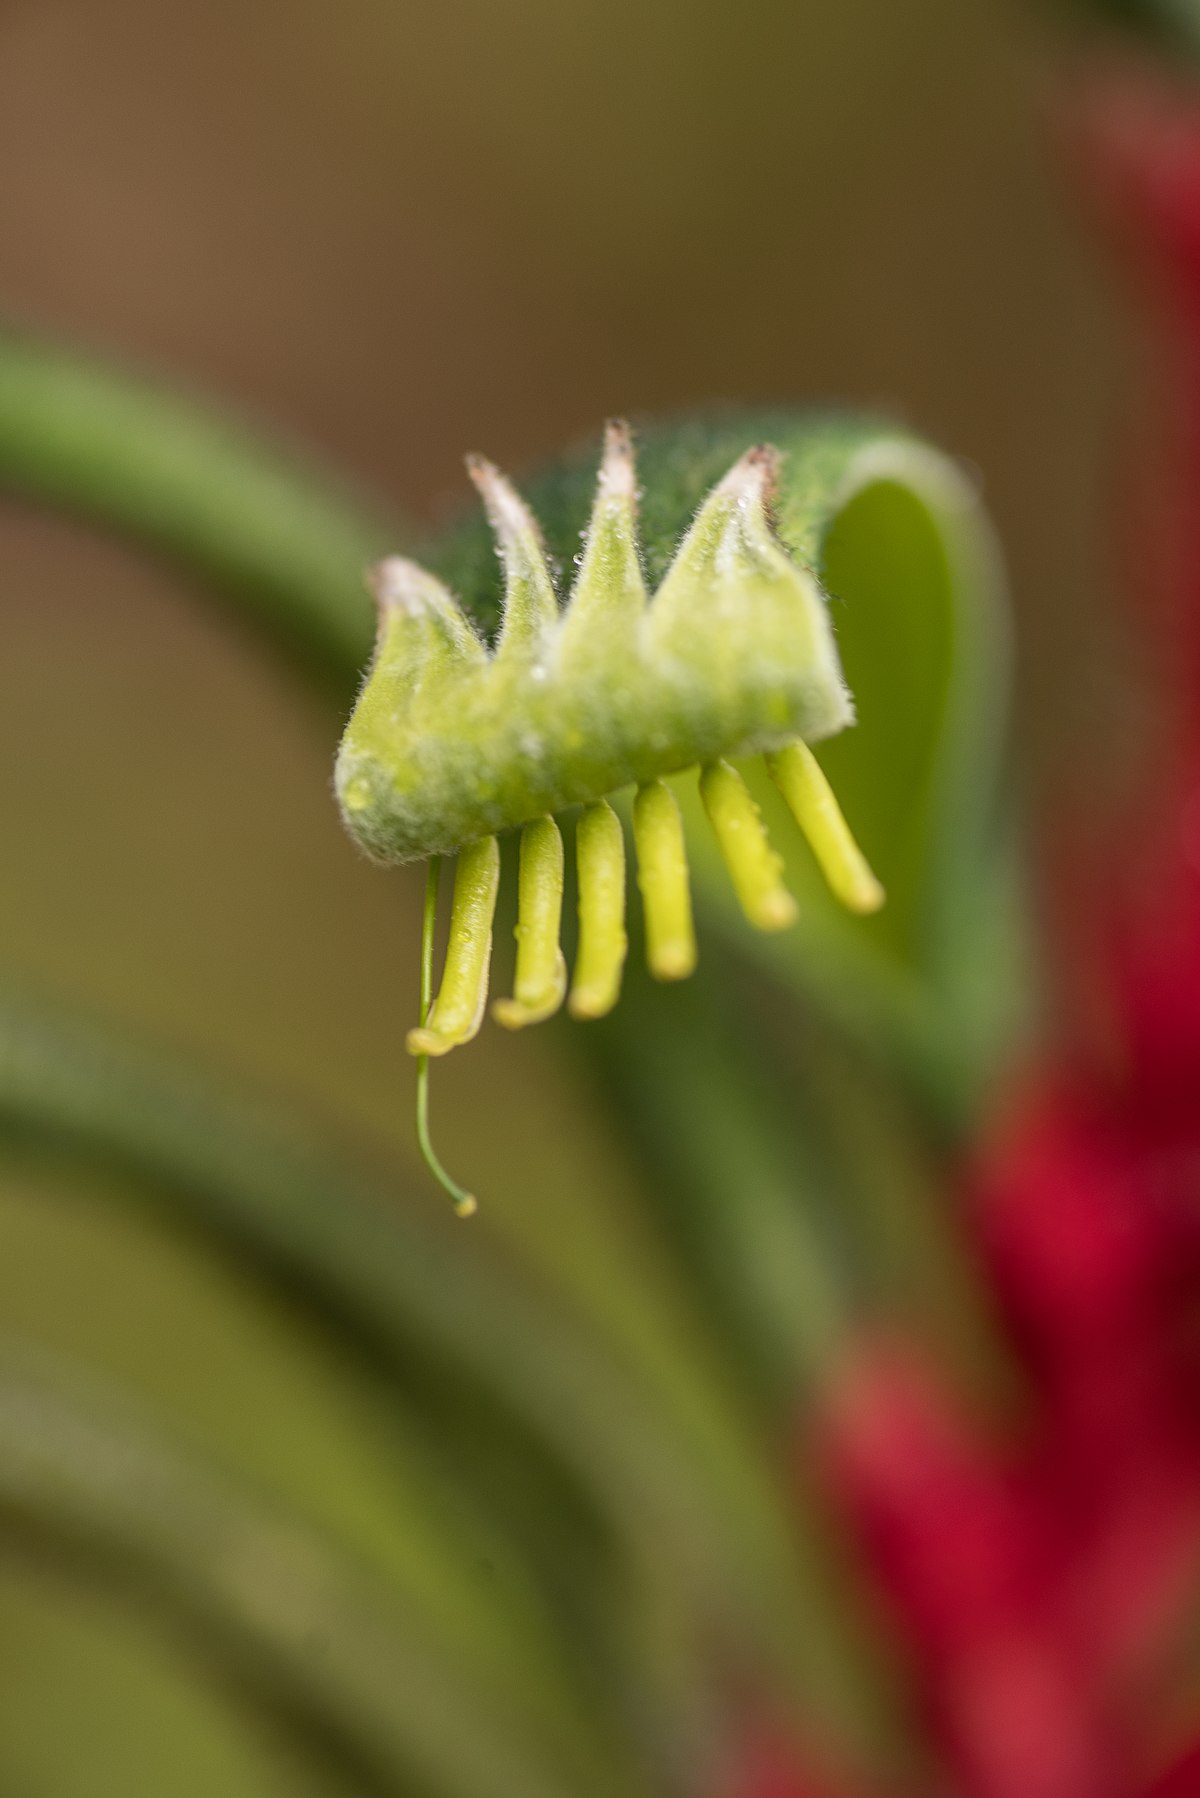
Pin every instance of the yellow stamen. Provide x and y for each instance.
(663, 879)
(541, 978)
(754, 867)
(799, 777)
(600, 853)
(458, 1013)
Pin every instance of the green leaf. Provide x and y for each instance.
(287, 1611)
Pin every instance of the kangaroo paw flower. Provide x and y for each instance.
(454, 742)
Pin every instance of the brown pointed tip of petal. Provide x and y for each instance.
(508, 515)
(755, 475)
(618, 474)
(399, 585)
(489, 483)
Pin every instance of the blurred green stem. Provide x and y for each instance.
(677, 1471)
(275, 539)
(303, 1626)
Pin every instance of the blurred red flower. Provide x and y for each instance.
(1044, 1571)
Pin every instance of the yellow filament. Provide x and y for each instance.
(458, 1012)
(541, 978)
(600, 854)
(798, 775)
(754, 867)
(663, 880)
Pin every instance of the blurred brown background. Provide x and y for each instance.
(399, 231)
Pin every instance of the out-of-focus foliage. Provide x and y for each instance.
(1170, 24)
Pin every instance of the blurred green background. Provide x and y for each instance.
(399, 232)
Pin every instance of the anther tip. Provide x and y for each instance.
(777, 911)
(466, 1206)
(516, 1014)
(588, 1003)
(510, 1014)
(673, 961)
(867, 897)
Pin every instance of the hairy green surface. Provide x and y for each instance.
(732, 654)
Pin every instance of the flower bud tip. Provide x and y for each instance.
(403, 586)
(508, 515)
(754, 476)
(618, 476)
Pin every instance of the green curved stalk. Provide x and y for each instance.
(276, 539)
(679, 1475)
(298, 1622)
